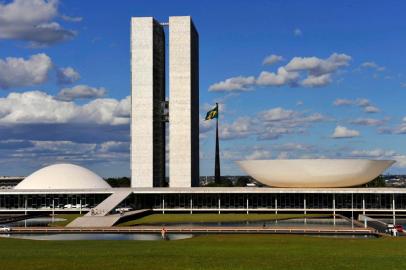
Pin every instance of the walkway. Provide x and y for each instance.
(99, 216)
(198, 229)
(103, 221)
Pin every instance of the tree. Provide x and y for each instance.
(377, 182)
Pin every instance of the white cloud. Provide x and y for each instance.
(81, 92)
(317, 81)
(239, 83)
(343, 132)
(71, 18)
(39, 107)
(372, 65)
(316, 66)
(259, 154)
(371, 109)
(277, 114)
(241, 128)
(281, 77)
(17, 72)
(67, 75)
(270, 124)
(343, 102)
(375, 153)
(368, 122)
(317, 72)
(272, 59)
(363, 103)
(32, 20)
(297, 32)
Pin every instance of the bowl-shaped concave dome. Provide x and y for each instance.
(63, 176)
(318, 173)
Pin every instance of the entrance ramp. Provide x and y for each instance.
(111, 202)
(99, 215)
(105, 221)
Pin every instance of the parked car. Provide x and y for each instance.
(5, 228)
(399, 227)
(123, 209)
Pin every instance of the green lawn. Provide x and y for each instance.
(207, 252)
(179, 218)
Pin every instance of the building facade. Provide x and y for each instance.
(183, 103)
(148, 103)
(147, 98)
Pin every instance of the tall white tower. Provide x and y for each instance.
(147, 97)
(183, 102)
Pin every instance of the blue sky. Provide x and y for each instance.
(295, 79)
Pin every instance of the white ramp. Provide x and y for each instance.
(104, 208)
(99, 216)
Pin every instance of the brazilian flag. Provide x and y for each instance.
(213, 113)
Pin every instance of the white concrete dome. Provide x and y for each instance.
(318, 173)
(63, 176)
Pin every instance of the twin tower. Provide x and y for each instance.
(149, 109)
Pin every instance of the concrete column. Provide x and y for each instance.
(219, 201)
(247, 206)
(80, 201)
(53, 210)
(393, 209)
(334, 209)
(304, 207)
(25, 205)
(352, 210)
(363, 204)
(191, 204)
(183, 102)
(276, 205)
(163, 204)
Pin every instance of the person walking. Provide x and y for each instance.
(163, 233)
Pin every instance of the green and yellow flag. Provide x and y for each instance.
(213, 113)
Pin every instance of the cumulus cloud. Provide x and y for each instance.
(281, 77)
(270, 124)
(32, 21)
(276, 114)
(319, 70)
(71, 18)
(363, 103)
(343, 102)
(371, 109)
(272, 59)
(374, 153)
(379, 153)
(17, 72)
(241, 128)
(372, 65)
(343, 132)
(300, 71)
(81, 92)
(259, 154)
(67, 75)
(239, 83)
(368, 122)
(39, 107)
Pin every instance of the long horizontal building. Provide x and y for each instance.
(388, 200)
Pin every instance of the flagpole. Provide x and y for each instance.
(217, 161)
